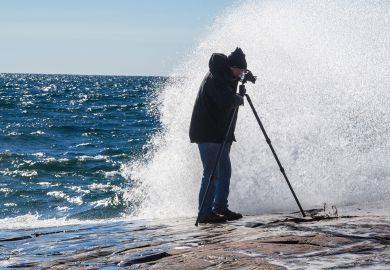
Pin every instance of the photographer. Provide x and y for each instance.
(211, 115)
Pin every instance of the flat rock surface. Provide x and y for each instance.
(277, 241)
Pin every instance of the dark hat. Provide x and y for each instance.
(237, 59)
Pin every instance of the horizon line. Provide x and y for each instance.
(75, 74)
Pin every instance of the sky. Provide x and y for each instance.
(110, 37)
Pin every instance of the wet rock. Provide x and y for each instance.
(255, 242)
(15, 238)
(146, 256)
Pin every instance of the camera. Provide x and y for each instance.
(248, 77)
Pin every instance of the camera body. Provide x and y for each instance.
(248, 77)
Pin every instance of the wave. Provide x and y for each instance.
(322, 93)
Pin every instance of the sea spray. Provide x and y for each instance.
(322, 94)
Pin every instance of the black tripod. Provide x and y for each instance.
(243, 93)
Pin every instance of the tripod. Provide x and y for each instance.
(242, 91)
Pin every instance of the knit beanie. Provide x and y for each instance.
(237, 59)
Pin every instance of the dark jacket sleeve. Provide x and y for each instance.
(222, 96)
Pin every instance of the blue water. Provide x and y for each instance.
(64, 138)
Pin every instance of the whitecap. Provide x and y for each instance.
(62, 208)
(5, 190)
(47, 184)
(10, 204)
(23, 173)
(98, 157)
(60, 194)
(105, 187)
(39, 154)
(79, 190)
(14, 133)
(83, 144)
(109, 174)
(29, 173)
(38, 132)
(106, 202)
(48, 88)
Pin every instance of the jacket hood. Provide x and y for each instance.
(218, 64)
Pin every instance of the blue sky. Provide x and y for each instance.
(122, 37)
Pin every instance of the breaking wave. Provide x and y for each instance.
(322, 94)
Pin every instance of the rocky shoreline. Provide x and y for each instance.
(275, 241)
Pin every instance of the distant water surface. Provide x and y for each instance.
(63, 139)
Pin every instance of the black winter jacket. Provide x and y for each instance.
(214, 104)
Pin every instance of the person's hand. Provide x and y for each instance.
(239, 100)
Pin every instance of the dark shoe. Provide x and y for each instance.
(213, 218)
(230, 215)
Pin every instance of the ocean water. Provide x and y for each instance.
(64, 138)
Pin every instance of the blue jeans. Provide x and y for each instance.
(217, 195)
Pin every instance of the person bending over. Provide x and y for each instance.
(213, 109)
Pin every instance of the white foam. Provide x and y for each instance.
(49, 87)
(29, 173)
(60, 194)
(104, 187)
(38, 132)
(47, 184)
(62, 208)
(79, 189)
(39, 154)
(98, 157)
(83, 144)
(14, 133)
(23, 173)
(107, 202)
(36, 221)
(5, 190)
(322, 94)
(110, 174)
(10, 204)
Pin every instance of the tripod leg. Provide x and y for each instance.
(274, 153)
(216, 163)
